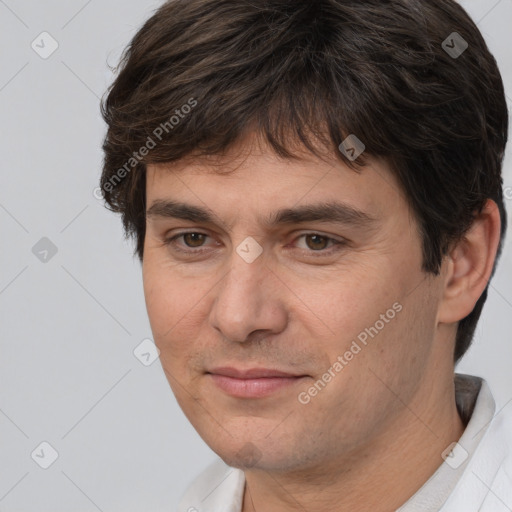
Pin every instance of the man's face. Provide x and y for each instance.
(301, 305)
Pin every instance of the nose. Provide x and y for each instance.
(249, 298)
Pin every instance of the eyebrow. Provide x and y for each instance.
(336, 212)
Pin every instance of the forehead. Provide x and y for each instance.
(254, 174)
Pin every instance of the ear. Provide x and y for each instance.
(469, 264)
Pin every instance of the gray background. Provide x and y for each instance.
(69, 325)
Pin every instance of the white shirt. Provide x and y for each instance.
(477, 477)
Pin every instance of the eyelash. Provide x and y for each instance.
(336, 244)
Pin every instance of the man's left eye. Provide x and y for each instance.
(317, 242)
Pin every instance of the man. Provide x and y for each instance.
(316, 196)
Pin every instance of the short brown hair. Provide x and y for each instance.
(297, 70)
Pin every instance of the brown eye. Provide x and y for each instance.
(318, 242)
(318, 245)
(186, 243)
(193, 239)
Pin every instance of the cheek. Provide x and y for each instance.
(351, 308)
(160, 304)
(376, 323)
(177, 308)
(395, 354)
(168, 297)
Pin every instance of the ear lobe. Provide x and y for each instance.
(469, 265)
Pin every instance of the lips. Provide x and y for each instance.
(252, 373)
(253, 382)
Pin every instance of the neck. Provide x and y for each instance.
(378, 477)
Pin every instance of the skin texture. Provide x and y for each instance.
(375, 433)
